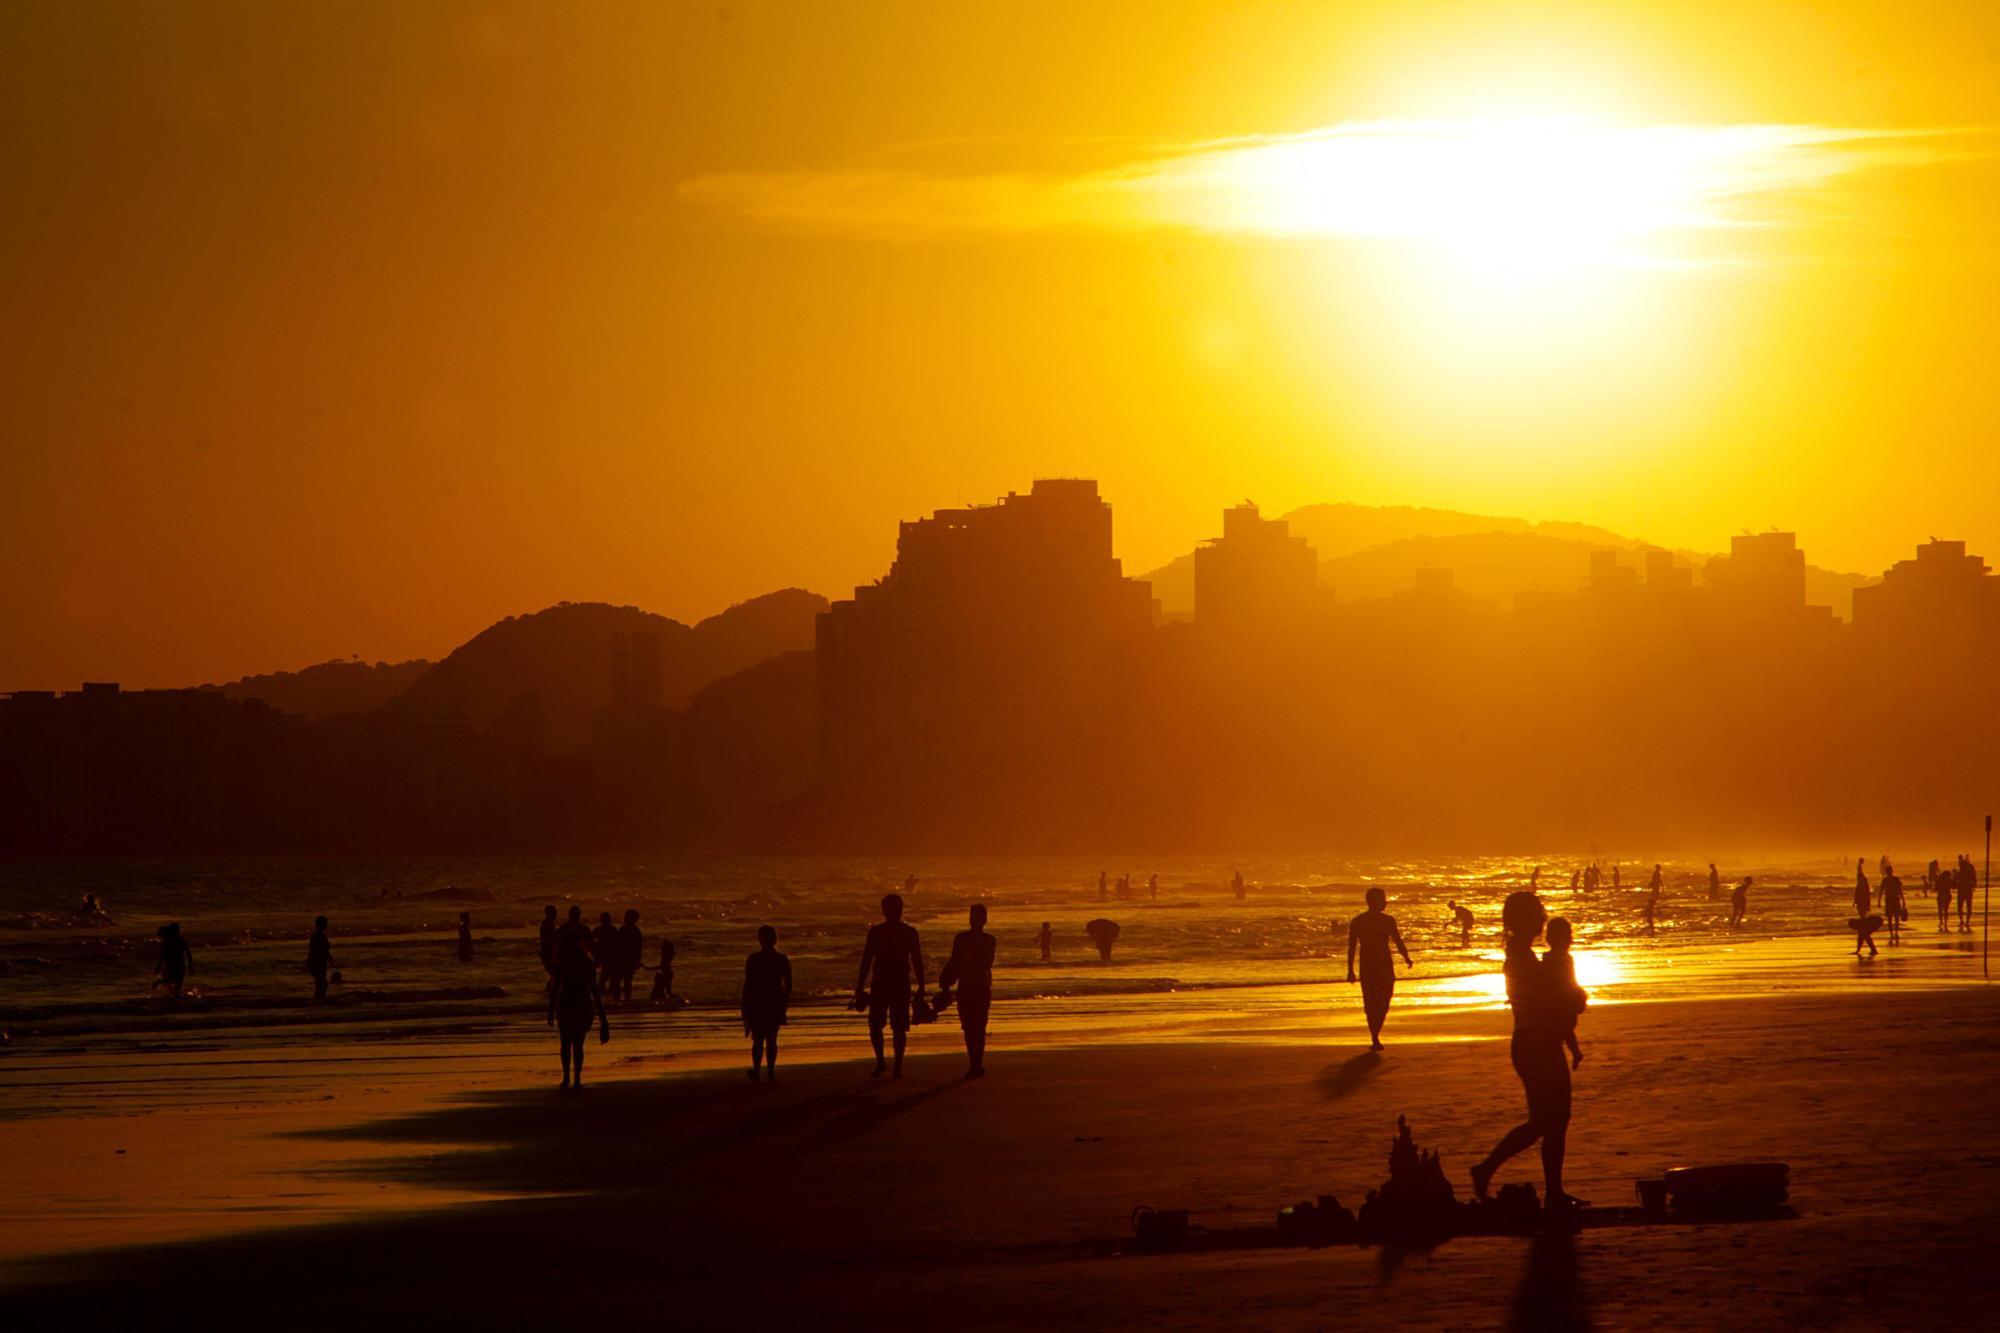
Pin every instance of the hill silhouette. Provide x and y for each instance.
(555, 665)
(329, 688)
(1367, 551)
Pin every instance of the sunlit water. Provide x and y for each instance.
(87, 1031)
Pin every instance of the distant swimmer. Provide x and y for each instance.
(663, 975)
(767, 994)
(1714, 882)
(1369, 935)
(1103, 934)
(1045, 939)
(1236, 883)
(176, 960)
(1102, 882)
(890, 958)
(970, 970)
(1895, 911)
(319, 957)
(574, 1000)
(1153, 886)
(547, 944)
(1462, 915)
(465, 937)
(1739, 902)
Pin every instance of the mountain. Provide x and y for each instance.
(551, 669)
(329, 688)
(1373, 552)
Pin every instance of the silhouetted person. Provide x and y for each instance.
(465, 937)
(1575, 879)
(1562, 977)
(1652, 903)
(970, 969)
(1614, 877)
(1102, 889)
(889, 960)
(1462, 915)
(176, 960)
(1370, 934)
(573, 1001)
(1882, 864)
(767, 993)
(319, 957)
(1236, 883)
(1864, 932)
(1739, 902)
(604, 951)
(1046, 939)
(1931, 878)
(1534, 879)
(1894, 913)
(1862, 900)
(1124, 888)
(547, 944)
(1538, 1004)
(631, 953)
(663, 976)
(909, 886)
(573, 925)
(1968, 884)
(1153, 886)
(1946, 883)
(1714, 882)
(1103, 934)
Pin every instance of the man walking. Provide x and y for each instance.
(891, 957)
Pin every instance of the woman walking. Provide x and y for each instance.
(1540, 1013)
(767, 992)
(574, 998)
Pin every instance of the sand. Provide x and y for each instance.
(831, 1199)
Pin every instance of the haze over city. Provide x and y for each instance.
(1173, 665)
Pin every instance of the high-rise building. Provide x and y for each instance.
(1257, 581)
(983, 645)
(1942, 594)
(1764, 574)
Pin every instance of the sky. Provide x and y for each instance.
(348, 329)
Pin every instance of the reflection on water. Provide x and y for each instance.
(1195, 964)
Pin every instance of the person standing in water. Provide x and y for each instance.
(1968, 884)
(176, 960)
(1236, 883)
(1045, 939)
(1103, 933)
(604, 951)
(1370, 935)
(547, 943)
(663, 976)
(574, 1000)
(1462, 916)
(1863, 907)
(767, 993)
(1153, 887)
(889, 959)
(465, 937)
(970, 968)
(1894, 913)
(631, 954)
(319, 957)
(1714, 882)
(1540, 1016)
(1739, 902)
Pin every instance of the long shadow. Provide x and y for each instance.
(1337, 1082)
(1550, 1297)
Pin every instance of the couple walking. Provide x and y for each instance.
(893, 959)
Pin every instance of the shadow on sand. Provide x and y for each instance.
(1337, 1081)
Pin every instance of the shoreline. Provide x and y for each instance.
(992, 1187)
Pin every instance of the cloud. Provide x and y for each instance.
(1438, 179)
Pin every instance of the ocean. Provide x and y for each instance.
(88, 1031)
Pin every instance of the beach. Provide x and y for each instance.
(833, 1199)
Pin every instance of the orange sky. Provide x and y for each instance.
(350, 329)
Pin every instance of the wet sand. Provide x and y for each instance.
(831, 1199)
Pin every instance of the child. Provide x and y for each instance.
(1564, 968)
(663, 977)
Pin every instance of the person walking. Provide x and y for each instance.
(1369, 936)
(1537, 1052)
(1045, 939)
(970, 969)
(890, 959)
(574, 1000)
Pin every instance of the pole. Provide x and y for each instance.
(1986, 925)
